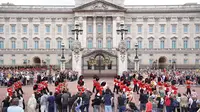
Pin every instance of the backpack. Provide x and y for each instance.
(194, 105)
(167, 101)
(175, 103)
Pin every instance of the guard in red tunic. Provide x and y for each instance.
(20, 86)
(188, 83)
(174, 88)
(57, 89)
(95, 81)
(16, 87)
(166, 87)
(116, 84)
(135, 83)
(10, 90)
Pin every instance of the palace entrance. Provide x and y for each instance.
(162, 62)
(99, 62)
(36, 61)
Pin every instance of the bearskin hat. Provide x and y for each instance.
(103, 83)
(173, 82)
(35, 87)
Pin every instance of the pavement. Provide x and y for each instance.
(28, 90)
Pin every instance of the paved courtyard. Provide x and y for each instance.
(88, 84)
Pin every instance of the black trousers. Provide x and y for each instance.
(188, 91)
(94, 88)
(136, 88)
(20, 89)
(116, 88)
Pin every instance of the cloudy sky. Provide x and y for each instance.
(71, 2)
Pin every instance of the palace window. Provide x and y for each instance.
(197, 28)
(197, 44)
(1, 44)
(150, 61)
(185, 28)
(174, 28)
(25, 44)
(47, 28)
(90, 45)
(139, 28)
(13, 62)
(150, 44)
(1, 28)
(90, 29)
(24, 28)
(36, 28)
(13, 43)
(150, 28)
(185, 44)
(173, 44)
(99, 28)
(128, 44)
(70, 28)
(59, 28)
(139, 44)
(162, 28)
(162, 44)
(47, 44)
(128, 28)
(59, 43)
(36, 44)
(196, 61)
(1, 62)
(109, 28)
(70, 42)
(185, 61)
(109, 43)
(99, 43)
(13, 28)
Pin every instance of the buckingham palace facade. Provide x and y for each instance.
(165, 34)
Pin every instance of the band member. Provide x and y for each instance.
(166, 87)
(16, 86)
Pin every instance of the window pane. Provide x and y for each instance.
(13, 44)
(70, 28)
(1, 44)
(36, 29)
(173, 43)
(150, 28)
(173, 28)
(197, 28)
(139, 29)
(162, 28)
(185, 29)
(185, 43)
(59, 44)
(47, 29)
(185, 61)
(47, 44)
(24, 29)
(150, 44)
(25, 44)
(128, 28)
(139, 44)
(70, 43)
(150, 61)
(36, 44)
(128, 44)
(197, 61)
(90, 44)
(99, 43)
(1, 62)
(90, 29)
(1, 29)
(109, 44)
(196, 43)
(109, 28)
(59, 29)
(13, 61)
(99, 29)
(162, 44)
(13, 28)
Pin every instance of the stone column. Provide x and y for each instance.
(104, 32)
(19, 32)
(30, 30)
(179, 32)
(94, 32)
(122, 57)
(137, 64)
(84, 35)
(114, 33)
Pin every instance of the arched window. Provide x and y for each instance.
(70, 43)
(185, 42)
(174, 42)
(90, 43)
(162, 42)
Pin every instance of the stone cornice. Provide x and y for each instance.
(33, 51)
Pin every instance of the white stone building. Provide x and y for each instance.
(33, 34)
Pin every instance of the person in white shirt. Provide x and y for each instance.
(21, 100)
(14, 106)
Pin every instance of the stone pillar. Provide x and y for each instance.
(84, 35)
(94, 32)
(104, 32)
(137, 64)
(62, 65)
(77, 57)
(122, 57)
(114, 33)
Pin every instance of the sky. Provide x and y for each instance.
(71, 2)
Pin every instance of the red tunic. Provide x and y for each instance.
(127, 89)
(188, 84)
(166, 86)
(160, 84)
(20, 84)
(135, 81)
(10, 91)
(115, 81)
(98, 86)
(94, 83)
(101, 90)
(45, 84)
(40, 87)
(16, 85)
(174, 89)
(58, 90)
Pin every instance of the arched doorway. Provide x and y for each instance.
(162, 62)
(36, 61)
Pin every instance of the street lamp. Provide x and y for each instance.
(174, 64)
(122, 30)
(77, 30)
(136, 48)
(63, 48)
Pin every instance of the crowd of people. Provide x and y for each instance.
(157, 91)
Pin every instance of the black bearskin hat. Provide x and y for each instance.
(128, 83)
(187, 77)
(103, 83)
(173, 82)
(35, 87)
(159, 79)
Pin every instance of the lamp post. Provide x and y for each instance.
(174, 65)
(136, 60)
(62, 67)
(122, 31)
(77, 30)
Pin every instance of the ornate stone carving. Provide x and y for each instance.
(122, 49)
(76, 48)
(100, 6)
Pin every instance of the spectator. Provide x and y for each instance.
(96, 103)
(86, 100)
(43, 103)
(14, 106)
(143, 100)
(32, 104)
(58, 101)
(6, 103)
(149, 106)
(108, 101)
(65, 100)
(21, 101)
(122, 102)
(184, 103)
(160, 101)
(168, 102)
(51, 101)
